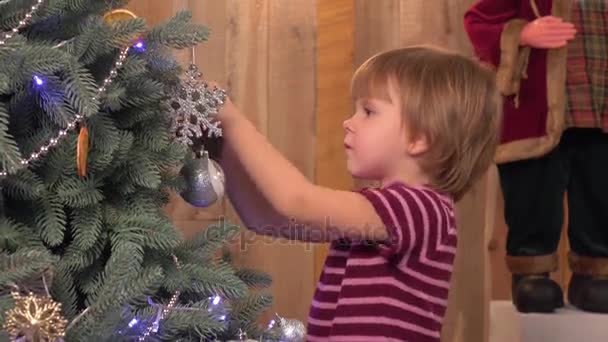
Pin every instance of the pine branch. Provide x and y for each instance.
(90, 278)
(50, 99)
(245, 311)
(143, 92)
(113, 297)
(128, 117)
(87, 224)
(126, 258)
(132, 68)
(35, 59)
(122, 152)
(63, 291)
(124, 32)
(99, 161)
(113, 98)
(254, 279)
(80, 89)
(179, 32)
(142, 172)
(211, 239)
(79, 193)
(76, 259)
(5, 80)
(23, 185)
(50, 219)
(9, 153)
(161, 236)
(92, 41)
(6, 304)
(152, 135)
(59, 162)
(103, 134)
(14, 235)
(207, 279)
(200, 325)
(23, 264)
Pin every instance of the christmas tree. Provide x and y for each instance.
(88, 155)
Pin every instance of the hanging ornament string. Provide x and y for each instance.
(78, 118)
(22, 22)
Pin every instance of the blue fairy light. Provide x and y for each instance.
(133, 322)
(216, 300)
(140, 46)
(38, 81)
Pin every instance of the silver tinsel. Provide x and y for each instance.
(195, 105)
(22, 23)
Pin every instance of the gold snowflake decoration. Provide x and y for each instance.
(35, 317)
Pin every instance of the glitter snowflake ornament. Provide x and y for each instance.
(194, 105)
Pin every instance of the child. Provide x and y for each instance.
(426, 126)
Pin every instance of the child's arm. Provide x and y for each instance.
(325, 213)
(254, 210)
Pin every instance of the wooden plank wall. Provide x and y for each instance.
(335, 67)
(288, 64)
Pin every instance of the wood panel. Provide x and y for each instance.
(335, 44)
(291, 128)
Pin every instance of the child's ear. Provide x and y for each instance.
(418, 145)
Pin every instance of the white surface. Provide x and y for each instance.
(565, 325)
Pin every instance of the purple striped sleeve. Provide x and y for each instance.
(399, 214)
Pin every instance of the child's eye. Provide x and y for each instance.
(368, 111)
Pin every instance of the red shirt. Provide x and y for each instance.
(395, 291)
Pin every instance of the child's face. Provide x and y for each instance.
(375, 139)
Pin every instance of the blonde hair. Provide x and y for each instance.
(449, 99)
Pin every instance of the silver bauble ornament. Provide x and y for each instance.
(287, 330)
(205, 182)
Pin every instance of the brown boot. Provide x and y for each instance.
(532, 288)
(588, 288)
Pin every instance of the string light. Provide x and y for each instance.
(140, 46)
(39, 81)
(162, 310)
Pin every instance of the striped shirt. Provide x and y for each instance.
(393, 291)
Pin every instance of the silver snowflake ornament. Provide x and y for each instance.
(194, 105)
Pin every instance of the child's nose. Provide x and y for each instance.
(348, 125)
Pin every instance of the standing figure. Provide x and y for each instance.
(551, 59)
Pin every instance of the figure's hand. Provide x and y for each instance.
(547, 32)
